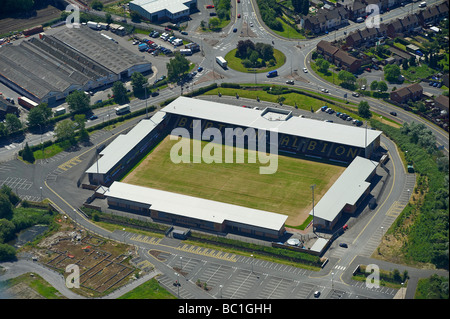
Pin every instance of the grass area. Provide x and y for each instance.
(287, 191)
(326, 76)
(48, 151)
(148, 290)
(235, 63)
(288, 31)
(415, 73)
(30, 286)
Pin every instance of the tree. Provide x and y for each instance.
(39, 115)
(78, 102)
(137, 82)
(361, 82)
(322, 65)
(214, 23)
(13, 123)
(97, 5)
(374, 85)
(347, 78)
(27, 154)
(391, 72)
(119, 92)
(108, 18)
(80, 121)
(6, 208)
(243, 48)
(176, 67)
(65, 130)
(364, 110)
(7, 252)
(382, 86)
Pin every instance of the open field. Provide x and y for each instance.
(286, 192)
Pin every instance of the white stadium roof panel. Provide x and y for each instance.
(246, 117)
(194, 207)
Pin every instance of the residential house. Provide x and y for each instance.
(442, 103)
(325, 20)
(355, 8)
(412, 92)
(410, 23)
(429, 16)
(366, 36)
(346, 61)
(326, 49)
(395, 28)
(338, 56)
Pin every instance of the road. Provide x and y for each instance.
(238, 276)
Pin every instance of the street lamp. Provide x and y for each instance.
(41, 192)
(332, 286)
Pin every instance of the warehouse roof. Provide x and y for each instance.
(194, 207)
(347, 189)
(246, 117)
(123, 144)
(97, 48)
(152, 6)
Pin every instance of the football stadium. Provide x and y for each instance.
(200, 164)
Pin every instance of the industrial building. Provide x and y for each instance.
(49, 68)
(163, 10)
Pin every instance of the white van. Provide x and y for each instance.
(422, 4)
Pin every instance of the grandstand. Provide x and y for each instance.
(296, 137)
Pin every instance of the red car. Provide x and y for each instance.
(167, 29)
(368, 70)
(209, 6)
(239, 15)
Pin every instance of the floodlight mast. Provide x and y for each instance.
(312, 188)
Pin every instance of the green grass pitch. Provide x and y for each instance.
(287, 191)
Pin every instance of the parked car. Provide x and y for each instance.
(355, 94)
(209, 6)
(239, 15)
(316, 294)
(344, 245)
(93, 117)
(290, 82)
(184, 33)
(200, 69)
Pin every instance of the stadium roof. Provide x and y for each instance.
(347, 189)
(194, 207)
(153, 6)
(123, 144)
(246, 117)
